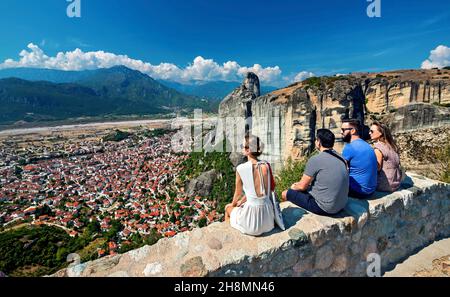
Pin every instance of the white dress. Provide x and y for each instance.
(256, 215)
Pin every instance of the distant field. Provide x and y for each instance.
(83, 121)
(162, 123)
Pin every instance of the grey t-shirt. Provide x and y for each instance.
(330, 185)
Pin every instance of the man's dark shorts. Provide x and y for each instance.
(354, 194)
(305, 200)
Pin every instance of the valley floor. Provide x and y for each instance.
(159, 123)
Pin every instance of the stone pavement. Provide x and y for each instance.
(433, 260)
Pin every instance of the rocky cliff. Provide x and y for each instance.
(287, 118)
(391, 90)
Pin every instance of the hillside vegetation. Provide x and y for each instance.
(36, 251)
(199, 162)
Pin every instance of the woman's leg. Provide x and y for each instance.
(228, 210)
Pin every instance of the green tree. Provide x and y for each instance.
(152, 238)
(443, 158)
(46, 246)
(61, 254)
(18, 171)
(202, 222)
(93, 227)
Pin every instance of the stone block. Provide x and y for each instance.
(358, 209)
(340, 263)
(303, 265)
(193, 267)
(324, 258)
(283, 260)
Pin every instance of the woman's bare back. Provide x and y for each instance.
(256, 179)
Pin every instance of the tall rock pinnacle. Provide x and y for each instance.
(251, 83)
(238, 102)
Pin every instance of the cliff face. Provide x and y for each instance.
(390, 90)
(299, 111)
(287, 119)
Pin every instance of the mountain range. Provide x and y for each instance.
(45, 95)
(215, 90)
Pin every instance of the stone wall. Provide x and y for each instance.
(392, 225)
(422, 151)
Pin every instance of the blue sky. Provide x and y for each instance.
(284, 37)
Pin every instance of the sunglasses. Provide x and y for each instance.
(346, 129)
(243, 146)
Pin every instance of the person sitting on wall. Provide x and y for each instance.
(388, 159)
(252, 214)
(327, 175)
(361, 160)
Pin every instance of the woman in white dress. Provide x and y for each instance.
(253, 213)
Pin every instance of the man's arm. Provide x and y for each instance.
(303, 184)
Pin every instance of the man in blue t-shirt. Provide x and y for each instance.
(361, 159)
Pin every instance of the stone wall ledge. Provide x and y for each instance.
(392, 225)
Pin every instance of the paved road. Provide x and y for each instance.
(433, 260)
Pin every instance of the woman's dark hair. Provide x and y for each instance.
(254, 144)
(387, 135)
(326, 138)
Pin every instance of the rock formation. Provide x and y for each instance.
(202, 185)
(235, 104)
(287, 119)
(235, 118)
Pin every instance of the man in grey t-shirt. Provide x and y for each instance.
(323, 188)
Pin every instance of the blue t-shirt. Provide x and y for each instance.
(363, 166)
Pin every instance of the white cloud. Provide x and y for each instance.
(303, 75)
(269, 74)
(199, 69)
(439, 57)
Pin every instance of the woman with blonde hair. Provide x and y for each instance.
(388, 159)
(252, 214)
